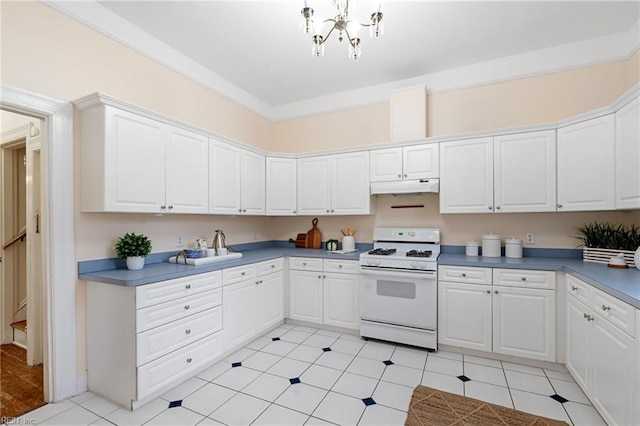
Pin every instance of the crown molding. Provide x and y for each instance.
(565, 57)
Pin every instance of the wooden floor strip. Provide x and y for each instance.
(21, 386)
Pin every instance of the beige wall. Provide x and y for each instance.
(48, 53)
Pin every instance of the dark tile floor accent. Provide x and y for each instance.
(368, 401)
(326, 349)
(559, 398)
(236, 364)
(294, 381)
(388, 362)
(174, 404)
(464, 378)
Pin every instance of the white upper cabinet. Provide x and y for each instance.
(409, 162)
(524, 172)
(236, 180)
(281, 197)
(131, 163)
(586, 164)
(627, 154)
(334, 184)
(466, 178)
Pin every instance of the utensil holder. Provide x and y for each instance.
(348, 243)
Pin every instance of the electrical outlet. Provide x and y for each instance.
(179, 241)
(530, 238)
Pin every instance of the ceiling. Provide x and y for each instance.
(258, 47)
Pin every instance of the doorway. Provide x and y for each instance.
(21, 289)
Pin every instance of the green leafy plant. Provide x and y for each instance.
(609, 236)
(132, 244)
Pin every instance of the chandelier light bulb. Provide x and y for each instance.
(342, 25)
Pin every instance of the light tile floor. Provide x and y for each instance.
(298, 375)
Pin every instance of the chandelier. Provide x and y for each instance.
(346, 27)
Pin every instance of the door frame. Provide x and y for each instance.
(58, 257)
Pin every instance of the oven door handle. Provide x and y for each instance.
(390, 273)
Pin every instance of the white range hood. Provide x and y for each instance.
(417, 186)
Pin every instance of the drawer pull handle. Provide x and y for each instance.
(524, 278)
(188, 286)
(606, 308)
(188, 331)
(574, 288)
(464, 275)
(189, 360)
(588, 317)
(187, 306)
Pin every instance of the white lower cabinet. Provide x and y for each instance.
(602, 351)
(505, 311)
(253, 300)
(322, 296)
(141, 340)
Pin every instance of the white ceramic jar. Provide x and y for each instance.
(513, 248)
(471, 249)
(490, 245)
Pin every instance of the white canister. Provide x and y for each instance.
(471, 249)
(490, 245)
(513, 248)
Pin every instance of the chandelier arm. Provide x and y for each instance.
(349, 38)
(326, 37)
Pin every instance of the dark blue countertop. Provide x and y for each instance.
(623, 284)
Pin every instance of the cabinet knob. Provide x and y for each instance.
(304, 263)
(244, 210)
(243, 273)
(496, 291)
(320, 276)
(189, 360)
(188, 331)
(273, 266)
(188, 286)
(574, 288)
(559, 206)
(490, 208)
(257, 282)
(524, 278)
(332, 210)
(163, 207)
(464, 275)
(324, 276)
(405, 175)
(187, 306)
(606, 308)
(588, 317)
(170, 206)
(488, 291)
(294, 212)
(327, 210)
(339, 266)
(399, 175)
(240, 210)
(498, 208)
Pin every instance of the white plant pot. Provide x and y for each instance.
(135, 262)
(636, 258)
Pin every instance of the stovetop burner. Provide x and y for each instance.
(383, 252)
(419, 253)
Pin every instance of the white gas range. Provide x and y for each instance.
(399, 292)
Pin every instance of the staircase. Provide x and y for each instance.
(20, 333)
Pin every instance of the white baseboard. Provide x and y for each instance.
(20, 338)
(82, 382)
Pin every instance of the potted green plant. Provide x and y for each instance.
(601, 241)
(133, 248)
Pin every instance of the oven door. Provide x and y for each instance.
(399, 297)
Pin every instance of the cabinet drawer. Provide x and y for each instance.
(619, 313)
(270, 266)
(239, 273)
(464, 274)
(579, 289)
(157, 315)
(344, 266)
(305, 263)
(164, 291)
(170, 368)
(159, 341)
(524, 278)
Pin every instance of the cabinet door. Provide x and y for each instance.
(524, 322)
(282, 189)
(350, 184)
(612, 358)
(341, 300)
(577, 341)
(305, 298)
(585, 165)
(627, 156)
(271, 299)
(525, 172)
(224, 178)
(421, 161)
(313, 185)
(253, 185)
(466, 181)
(187, 189)
(386, 164)
(239, 312)
(464, 315)
(134, 165)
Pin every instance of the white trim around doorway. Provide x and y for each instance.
(58, 257)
